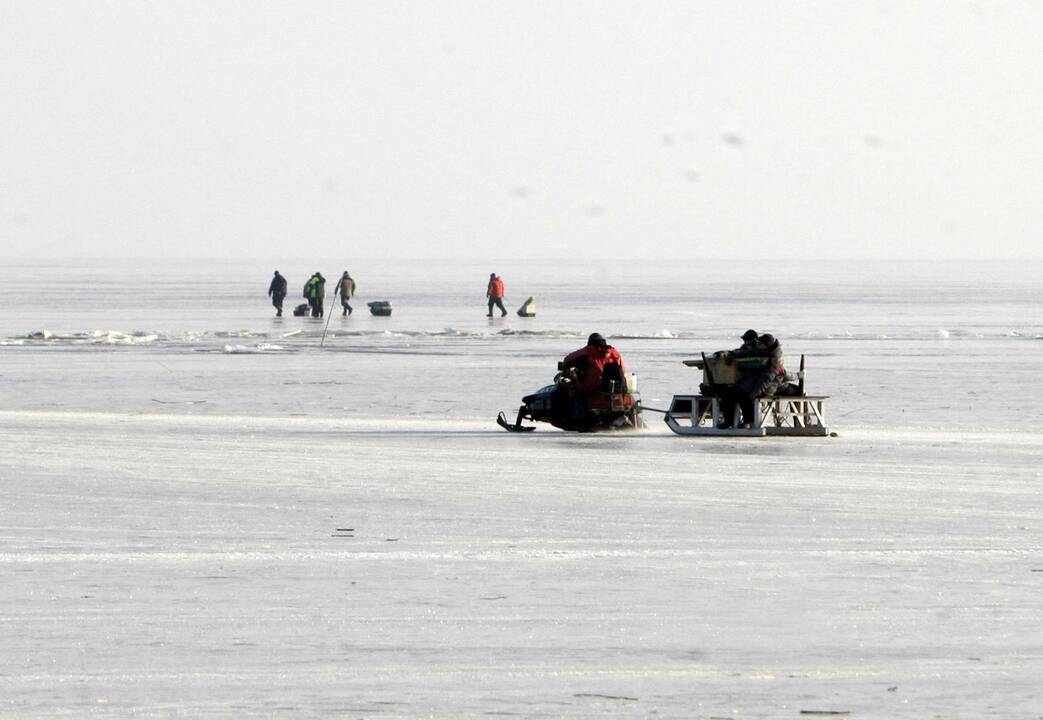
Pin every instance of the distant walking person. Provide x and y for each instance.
(315, 291)
(277, 291)
(495, 294)
(345, 288)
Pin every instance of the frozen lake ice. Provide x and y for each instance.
(196, 523)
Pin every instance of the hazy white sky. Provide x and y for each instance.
(749, 129)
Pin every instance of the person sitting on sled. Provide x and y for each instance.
(748, 347)
(713, 388)
(764, 381)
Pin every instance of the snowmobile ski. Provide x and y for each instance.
(501, 420)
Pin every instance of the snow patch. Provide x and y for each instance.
(114, 337)
(252, 349)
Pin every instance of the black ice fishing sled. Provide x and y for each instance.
(617, 406)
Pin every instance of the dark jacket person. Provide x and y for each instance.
(277, 291)
(762, 382)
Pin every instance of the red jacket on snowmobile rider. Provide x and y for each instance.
(590, 362)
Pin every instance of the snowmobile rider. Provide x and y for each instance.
(764, 381)
(277, 291)
(345, 288)
(597, 366)
(494, 292)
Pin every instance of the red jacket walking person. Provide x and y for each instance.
(495, 294)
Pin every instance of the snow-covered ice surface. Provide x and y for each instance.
(204, 513)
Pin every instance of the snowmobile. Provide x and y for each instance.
(617, 406)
